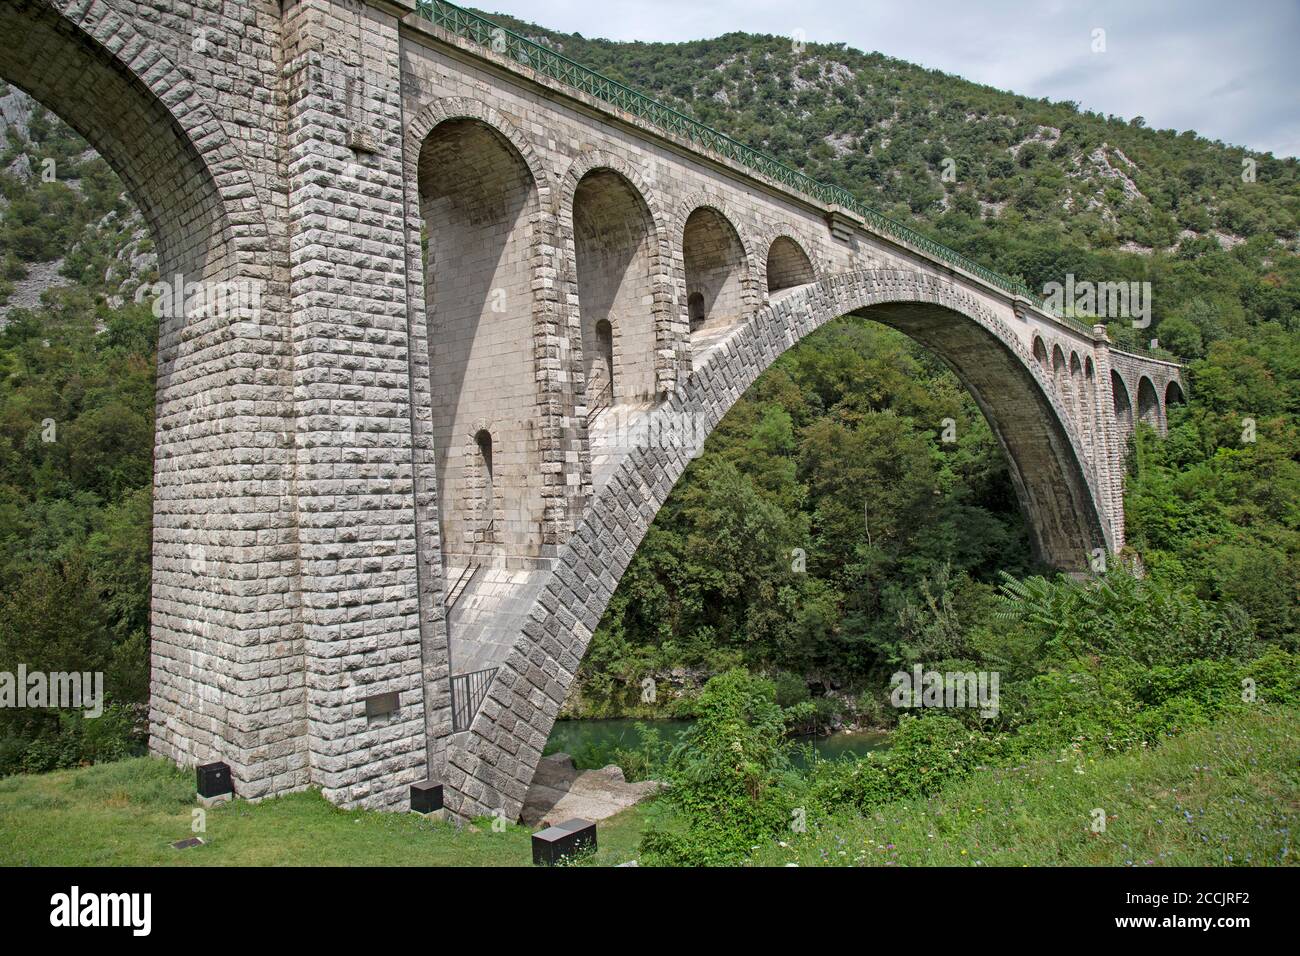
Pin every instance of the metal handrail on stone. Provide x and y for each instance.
(604, 398)
(557, 66)
(466, 576)
(461, 584)
(1137, 350)
(467, 694)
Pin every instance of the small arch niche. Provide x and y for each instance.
(715, 271)
(483, 443)
(601, 377)
(696, 309)
(787, 265)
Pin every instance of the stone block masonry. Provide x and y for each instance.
(461, 264)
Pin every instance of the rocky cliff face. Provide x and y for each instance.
(43, 170)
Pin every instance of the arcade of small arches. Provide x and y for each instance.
(1074, 382)
(642, 293)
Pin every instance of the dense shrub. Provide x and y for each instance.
(1147, 620)
(724, 776)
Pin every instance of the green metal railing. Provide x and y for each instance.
(531, 54)
(1160, 356)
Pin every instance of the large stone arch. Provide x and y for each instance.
(663, 306)
(121, 92)
(153, 125)
(491, 767)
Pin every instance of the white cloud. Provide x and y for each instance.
(1224, 70)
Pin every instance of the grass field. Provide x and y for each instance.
(1224, 795)
(128, 814)
(1227, 795)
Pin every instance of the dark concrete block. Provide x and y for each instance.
(426, 796)
(214, 780)
(566, 839)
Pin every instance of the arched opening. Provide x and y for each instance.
(476, 199)
(1040, 355)
(613, 235)
(132, 106)
(787, 265)
(90, 89)
(600, 379)
(1076, 382)
(483, 465)
(483, 441)
(695, 309)
(1123, 405)
(1089, 395)
(715, 270)
(1174, 395)
(1077, 410)
(1061, 380)
(1148, 403)
(1045, 467)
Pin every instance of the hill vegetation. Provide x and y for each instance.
(1039, 189)
(835, 453)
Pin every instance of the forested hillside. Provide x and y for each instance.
(1038, 189)
(835, 455)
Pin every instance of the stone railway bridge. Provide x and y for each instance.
(394, 492)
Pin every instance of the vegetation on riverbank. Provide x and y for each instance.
(1088, 670)
(1224, 794)
(1227, 794)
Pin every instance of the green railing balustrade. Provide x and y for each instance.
(1140, 352)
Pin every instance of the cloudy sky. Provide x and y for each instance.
(1227, 70)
